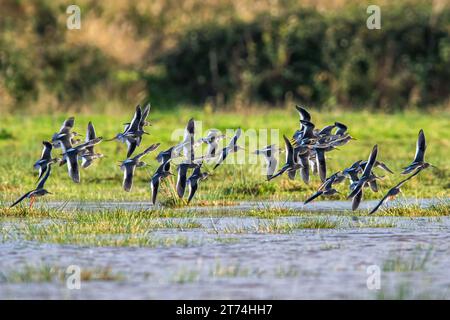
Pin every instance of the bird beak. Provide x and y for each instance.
(111, 139)
(49, 192)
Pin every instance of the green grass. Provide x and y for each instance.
(395, 134)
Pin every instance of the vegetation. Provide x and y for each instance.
(395, 135)
(224, 52)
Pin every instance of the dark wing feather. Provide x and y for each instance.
(132, 144)
(420, 147)
(314, 196)
(381, 202)
(357, 200)
(304, 114)
(193, 186)
(72, 167)
(321, 164)
(373, 185)
(20, 199)
(181, 181)
(44, 179)
(47, 150)
(128, 174)
(370, 162)
(155, 185)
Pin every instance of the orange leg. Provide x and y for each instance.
(32, 201)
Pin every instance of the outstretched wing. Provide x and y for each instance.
(134, 124)
(420, 147)
(68, 123)
(321, 164)
(132, 144)
(370, 162)
(304, 114)
(20, 199)
(314, 196)
(90, 132)
(72, 167)
(155, 186)
(44, 179)
(146, 151)
(128, 177)
(357, 200)
(181, 180)
(341, 128)
(381, 202)
(46, 151)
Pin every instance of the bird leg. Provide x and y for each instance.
(32, 201)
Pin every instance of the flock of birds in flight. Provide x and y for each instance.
(305, 153)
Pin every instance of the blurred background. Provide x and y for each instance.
(228, 54)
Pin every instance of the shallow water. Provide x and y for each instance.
(241, 206)
(304, 264)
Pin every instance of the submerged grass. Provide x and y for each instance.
(49, 273)
(417, 261)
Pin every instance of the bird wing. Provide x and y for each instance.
(385, 167)
(44, 179)
(68, 123)
(291, 174)
(193, 186)
(405, 180)
(132, 144)
(72, 167)
(373, 185)
(271, 166)
(42, 170)
(314, 196)
(357, 200)
(304, 114)
(420, 147)
(321, 164)
(370, 162)
(90, 132)
(233, 141)
(222, 158)
(181, 180)
(128, 174)
(289, 151)
(134, 124)
(327, 130)
(146, 151)
(46, 151)
(154, 185)
(341, 128)
(144, 116)
(21, 198)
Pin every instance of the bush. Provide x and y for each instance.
(319, 58)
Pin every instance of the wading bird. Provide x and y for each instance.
(129, 165)
(46, 159)
(269, 153)
(89, 155)
(419, 158)
(161, 173)
(197, 175)
(38, 192)
(393, 192)
(291, 164)
(71, 155)
(326, 189)
(232, 147)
